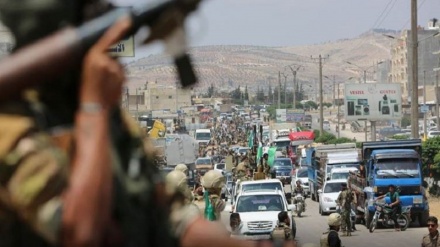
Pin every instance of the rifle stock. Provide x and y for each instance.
(51, 56)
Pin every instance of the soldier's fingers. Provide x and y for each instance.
(114, 34)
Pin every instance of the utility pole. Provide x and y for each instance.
(424, 104)
(334, 100)
(366, 122)
(321, 108)
(294, 71)
(436, 101)
(285, 90)
(339, 106)
(279, 89)
(414, 71)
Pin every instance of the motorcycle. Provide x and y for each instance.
(300, 205)
(383, 212)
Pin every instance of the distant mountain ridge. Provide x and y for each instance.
(231, 65)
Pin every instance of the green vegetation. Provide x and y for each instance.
(431, 157)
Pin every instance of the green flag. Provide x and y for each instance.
(251, 140)
(259, 154)
(271, 152)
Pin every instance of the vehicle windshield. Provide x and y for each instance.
(397, 168)
(220, 166)
(282, 144)
(258, 203)
(332, 187)
(330, 167)
(302, 173)
(340, 175)
(283, 162)
(262, 186)
(243, 150)
(203, 162)
(203, 136)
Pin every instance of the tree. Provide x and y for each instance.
(211, 91)
(246, 94)
(269, 95)
(431, 157)
(260, 95)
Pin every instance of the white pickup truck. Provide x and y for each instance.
(259, 213)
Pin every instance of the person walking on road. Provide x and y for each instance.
(432, 238)
(331, 238)
(344, 201)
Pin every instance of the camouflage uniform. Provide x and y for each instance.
(241, 170)
(429, 241)
(218, 204)
(282, 232)
(344, 201)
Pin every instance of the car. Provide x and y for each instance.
(243, 150)
(284, 169)
(432, 134)
(220, 167)
(266, 184)
(301, 174)
(388, 132)
(328, 195)
(326, 125)
(204, 164)
(259, 213)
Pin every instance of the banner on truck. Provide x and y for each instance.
(373, 101)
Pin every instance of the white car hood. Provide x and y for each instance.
(259, 216)
(332, 196)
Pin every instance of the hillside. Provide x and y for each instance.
(230, 66)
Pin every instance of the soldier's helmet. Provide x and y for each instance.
(176, 181)
(213, 180)
(334, 219)
(181, 167)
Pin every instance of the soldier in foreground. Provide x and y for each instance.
(213, 182)
(432, 239)
(282, 230)
(331, 238)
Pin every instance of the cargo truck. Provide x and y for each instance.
(390, 163)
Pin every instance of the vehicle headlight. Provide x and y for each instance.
(327, 199)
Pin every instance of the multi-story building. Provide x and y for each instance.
(401, 58)
(158, 97)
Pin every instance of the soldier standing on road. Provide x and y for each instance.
(432, 239)
(344, 201)
(331, 238)
(266, 167)
(282, 230)
(213, 182)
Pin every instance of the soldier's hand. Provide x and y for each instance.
(103, 76)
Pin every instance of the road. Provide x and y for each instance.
(312, 225)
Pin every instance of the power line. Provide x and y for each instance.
(418, 9)
(389, 10)
(378, 18)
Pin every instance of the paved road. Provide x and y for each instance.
(312, 225)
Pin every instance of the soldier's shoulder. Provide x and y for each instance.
(426, 237)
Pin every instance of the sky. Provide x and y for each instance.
(296, 22)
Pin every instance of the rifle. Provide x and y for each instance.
(51, 56)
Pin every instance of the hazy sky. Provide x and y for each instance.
(296, 22)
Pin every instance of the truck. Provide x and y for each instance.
(326, 157)
(385, 163)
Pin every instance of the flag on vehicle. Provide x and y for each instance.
(272, 151)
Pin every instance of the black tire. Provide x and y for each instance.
(368, 217)
(373, 224)
(406, 219)
(293, 228)
(320, 210)
(423, 218)
(312, 196)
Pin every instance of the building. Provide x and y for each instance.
(159, 97)
(401, 58)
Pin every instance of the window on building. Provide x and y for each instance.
(170, 97)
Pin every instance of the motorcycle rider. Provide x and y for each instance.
(282, 230)
(331, 238)
(299, 190)
(395, 204)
